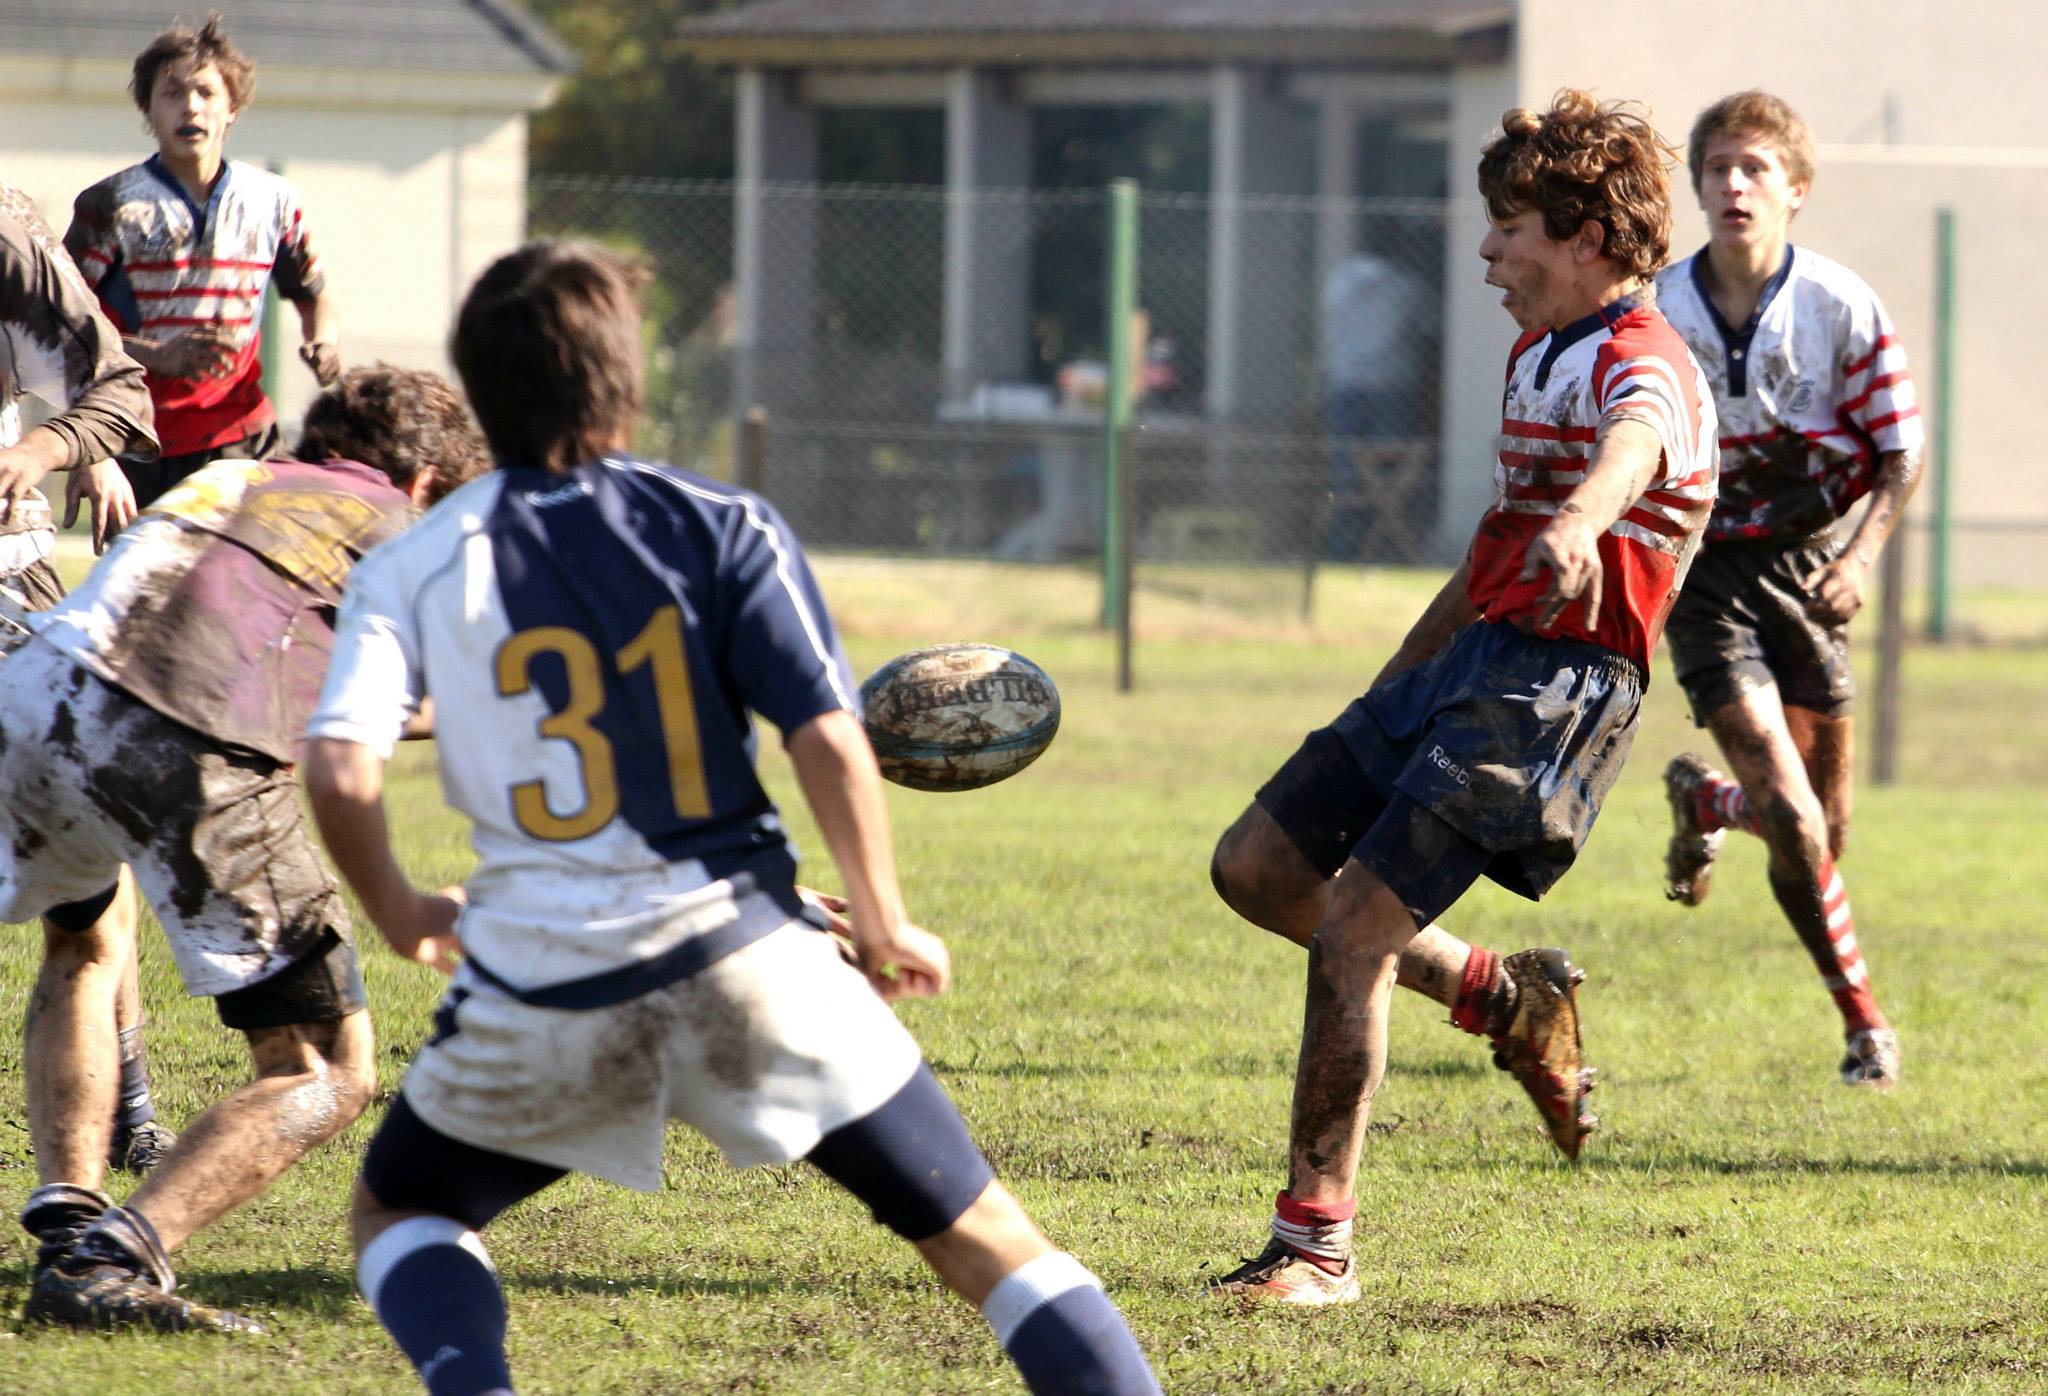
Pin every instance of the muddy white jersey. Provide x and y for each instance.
(593, 643)
(1811, 391)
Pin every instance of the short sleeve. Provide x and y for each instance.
(374, 680)
(781, 648)
(1878, 391)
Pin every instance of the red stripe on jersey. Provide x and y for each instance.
(94, 254)
(1546, 431)
(1753, 438)
(1902, 376)
(1552, 491)
(1884, 342)
(1670, 500)
(197, 320)
(196, 291)
(1657, 523)
(1895, 417)
(180, 263)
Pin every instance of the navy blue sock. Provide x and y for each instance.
(1065, 1336)
(435, 1292)
(137, 1108)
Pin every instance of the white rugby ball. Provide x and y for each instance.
(958, 717)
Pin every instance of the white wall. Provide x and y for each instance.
(406, 203)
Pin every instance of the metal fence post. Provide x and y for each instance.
(1116, 418)
(1944, 418)
(753, 462)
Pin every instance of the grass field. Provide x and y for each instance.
(1123, 1049)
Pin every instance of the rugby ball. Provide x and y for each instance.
(958, 717)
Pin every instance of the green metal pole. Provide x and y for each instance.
(1944, 418)
(1116, 406)
(271, 349)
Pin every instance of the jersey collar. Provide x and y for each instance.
(200, 216)
(1735, 342)
(1606, 317)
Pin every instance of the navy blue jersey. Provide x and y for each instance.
(594, 644)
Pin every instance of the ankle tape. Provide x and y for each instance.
(61, 1205)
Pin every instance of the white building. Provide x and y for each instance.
(404, 129)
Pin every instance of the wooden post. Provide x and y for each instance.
(1891, 644)
(753, 462)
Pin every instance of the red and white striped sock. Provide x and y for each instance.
(1819, 912)
(1317, 1230)
(1720, 804)
(1480, 993)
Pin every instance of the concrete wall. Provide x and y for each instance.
(1968, 129)
(407, 203)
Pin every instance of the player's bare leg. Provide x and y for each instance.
(1264, 878)
(1827, 746)
(1773, 796)
(313, 1079)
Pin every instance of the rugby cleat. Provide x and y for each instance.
(1689, 857)
(78, 1295)
(140, 1149)
(1540, 1045)
(1278, 1275)
(1873, 1059)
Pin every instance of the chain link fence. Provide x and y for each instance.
(932, 367)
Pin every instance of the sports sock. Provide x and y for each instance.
(1819, 913)
(1720, 804)
(1316, 1230)
(1065, 1336)
(1485, 1004)
(137, 1107)
(57, 1215)
(434, 1290)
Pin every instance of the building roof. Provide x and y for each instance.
(816, 33)
(471, 36)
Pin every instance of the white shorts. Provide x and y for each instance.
(764, 1052)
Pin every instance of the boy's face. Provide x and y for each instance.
(190, 111)
(1745, 191)
(1536, 272)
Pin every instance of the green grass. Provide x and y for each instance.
(1123, 1049)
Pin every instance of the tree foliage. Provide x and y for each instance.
(637, 103)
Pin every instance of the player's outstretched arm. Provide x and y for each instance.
(1625, 461)
(345, 784)
(835, 765)
(1450, 611)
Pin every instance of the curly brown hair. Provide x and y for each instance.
(207, 44)
(1584, 161)
(1759, 116)
(400, 421)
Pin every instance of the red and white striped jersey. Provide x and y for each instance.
(1564, 386)
(162, 264)
(1810, 393)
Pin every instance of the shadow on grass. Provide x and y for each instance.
(1698, 1162)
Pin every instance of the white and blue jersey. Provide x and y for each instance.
(593, 644)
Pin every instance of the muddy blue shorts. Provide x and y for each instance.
(1741, 624)
(1509, 739)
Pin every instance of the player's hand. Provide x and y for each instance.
(113, 500)
(20, 472)
(1570, 548)
(423, 929)
(907, 963)
(324, 359)
(1836, 592)
(834, 910)
(206, 351)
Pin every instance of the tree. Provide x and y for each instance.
(637, 104)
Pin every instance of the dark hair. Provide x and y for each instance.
(400, 421)
(207, 44)
(548, 347)
(1585, 161)
(1758, 115)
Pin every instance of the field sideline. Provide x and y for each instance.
(1123, 1048)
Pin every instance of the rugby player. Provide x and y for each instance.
(153, 717)
(56, 346)
(1488, 743)
(633, 947)
(1817, 410)
(180, 248)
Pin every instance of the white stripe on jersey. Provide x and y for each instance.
(782, 570)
